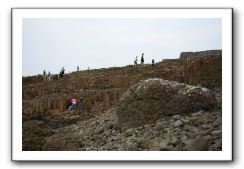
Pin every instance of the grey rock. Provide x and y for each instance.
(176, 117)
(163, 145)
(185, 120)
(217, 145)
(198, 144)
(209, 137)
(174, 141)
(170, 147)
(197, 113)
(178, 123)
(131, 146)
(160, 126)
(129, 132)
(217, 133)
(186, 128)
(206, 126)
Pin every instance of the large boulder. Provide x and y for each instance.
(148, 100)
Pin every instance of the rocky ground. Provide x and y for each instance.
(182, 128)
(199, 131)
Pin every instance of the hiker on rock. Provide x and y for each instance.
(49, 76)
(78, 68)
(63, 70)
(142, 58)
(81, 100)
(44, 73)
(135, 61)
(153, 64)
(73, 103)
(61, 73)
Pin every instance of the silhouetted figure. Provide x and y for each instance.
(44, 73)
(78, 68)
(61, 73)
(135, 61)
(153, 64)
(142, 58)
(49, 76)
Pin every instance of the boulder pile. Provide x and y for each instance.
(151, 99)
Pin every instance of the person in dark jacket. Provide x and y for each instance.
(142, 58)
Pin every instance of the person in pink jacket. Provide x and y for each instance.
(73, 102)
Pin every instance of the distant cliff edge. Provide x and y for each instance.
(184, 55)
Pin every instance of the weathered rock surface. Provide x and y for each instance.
(159, 115)
(185, 55)
(91, 135)
(150, 99)
(34, 134)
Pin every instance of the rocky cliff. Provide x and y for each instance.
(184, 55)
(45, 101)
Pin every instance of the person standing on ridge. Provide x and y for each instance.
(142, 58)
(49, 76)
(135, 61)
(153, 63)
(63, 70)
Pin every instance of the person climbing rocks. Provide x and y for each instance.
(135, 61)
(81, 100)
(142, 58)
(73, 102)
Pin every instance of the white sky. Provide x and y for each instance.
(50, 44)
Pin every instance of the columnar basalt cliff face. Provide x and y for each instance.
(103, 88)
(46, 100)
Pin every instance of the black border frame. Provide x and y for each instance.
(127, 161)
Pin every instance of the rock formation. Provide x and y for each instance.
(150, 99)
(185, 55)
(128, 108)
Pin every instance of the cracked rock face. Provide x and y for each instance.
(150, 99)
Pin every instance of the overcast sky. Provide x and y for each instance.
(50, 44)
